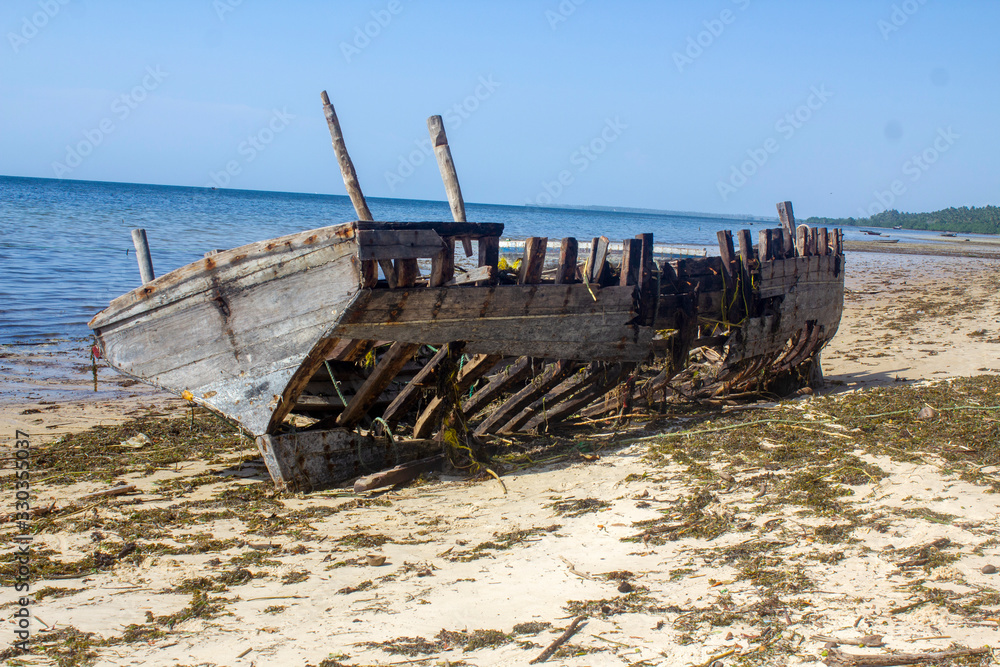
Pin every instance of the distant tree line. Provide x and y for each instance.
(966, 220)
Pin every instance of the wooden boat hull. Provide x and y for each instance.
(230, 331)
(304, 327)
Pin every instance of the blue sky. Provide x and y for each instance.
(727, 106)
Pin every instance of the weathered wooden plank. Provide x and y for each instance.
(568, 254)
(489, 255)
(599, 382)
(813, 242)
(746, 250)
(802, 241)
(474, 230)
(400, 474)
(244, 266)
(504, 319)
(647, 286)
(549, 378)
(398, 244)
(764, 245)
(443, 264)
(314, 460)
(439, 139)
(369, 273)
(477, 367)
(389, 271)
(344, 159)
(516, 372)
(726, 251)
(597, 263)
(411, 392)
(787, 217)
(533, 261)
(407, 272)
(778, 243)
(478, 275)
(631, 259)
(575, 383)
(823, 246)
(386, 369)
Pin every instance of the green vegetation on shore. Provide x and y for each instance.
(975, 220)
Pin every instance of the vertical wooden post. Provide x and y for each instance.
(746, 249)
(568, 254)
(598, 259)
(764, 245)
(647, 294)
(489, 255)
(439, 139)
(726, 251)
(346, 166)
(533, 260)
(839, 243)
(814, 241)
(823, 248)
(369, 273)
(407, 272)
(802, 241)
(787, 218)
(777, 243)
(631, 259)
(142, 254)
(443, 264)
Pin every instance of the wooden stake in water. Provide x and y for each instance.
(142, 254)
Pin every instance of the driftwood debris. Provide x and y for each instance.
(113, 491)
(398, 475)
(838, 658)
(562, 639)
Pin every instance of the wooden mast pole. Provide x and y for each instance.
(369, 272)
(439, 139)
(346, 166)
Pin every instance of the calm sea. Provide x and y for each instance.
(66, 248)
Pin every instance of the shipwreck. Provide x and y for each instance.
(352, 347)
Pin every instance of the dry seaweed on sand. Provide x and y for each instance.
(100, 453)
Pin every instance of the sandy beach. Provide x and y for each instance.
(780, 533)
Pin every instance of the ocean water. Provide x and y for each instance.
(66, 247)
